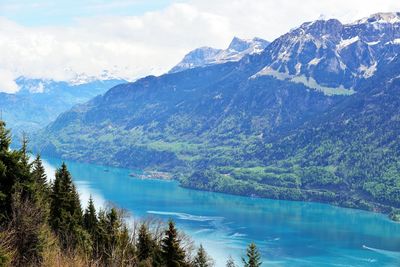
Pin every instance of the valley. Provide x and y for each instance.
(148, 134)
(231, 127)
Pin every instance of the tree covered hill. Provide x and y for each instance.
(348, 155)
(303, 120)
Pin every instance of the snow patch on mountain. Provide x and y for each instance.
(347, 42)
(368, 71)
(314, 61)
(373, 43)
(306, 81)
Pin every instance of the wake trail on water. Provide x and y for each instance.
(186, 216)
(388, 253)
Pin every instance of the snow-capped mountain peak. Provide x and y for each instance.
(236, 50)
(240, 45)
(333, 55)
(384, 17)
(83, 78)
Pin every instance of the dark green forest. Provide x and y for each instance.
(43, 224)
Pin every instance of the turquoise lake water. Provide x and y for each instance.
(287, 233)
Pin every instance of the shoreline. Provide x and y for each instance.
(393, 215)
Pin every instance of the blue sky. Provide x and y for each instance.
(65, 12)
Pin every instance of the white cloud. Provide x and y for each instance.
(271, 18)
(134, 46)
(7, 83)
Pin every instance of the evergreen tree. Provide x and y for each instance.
(24, 151)
(172, 253)
(39, 175)
(230, 262)
(113, 226)
(5, 137)
(253, 257)
(25, 216)
(90, 225)
(25, 184)
(15, 173)
(107, 236)
(90, 218)
(202, 259)
(145, 243)
(65, 210)
(113, 243)
(126, 248)
(9, 171)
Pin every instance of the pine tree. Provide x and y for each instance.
(76, 208)
(26, 216)
(5, 137)
(253, 257)
(39, 175)
(230, 262)
(125, 248)
(108, 225)
(26, 184)
(10, 172)
(113, 243)
(24, 151)
(145, 243)
(90, 218)
(90, 224)
(172, 253)
(202, 259)
(113, 226)
(65, 210)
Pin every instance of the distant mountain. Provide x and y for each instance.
(312, 117)
(38, 102)
(206, 56)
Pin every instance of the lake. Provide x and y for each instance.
(287, 233)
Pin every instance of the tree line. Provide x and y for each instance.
(43, 224)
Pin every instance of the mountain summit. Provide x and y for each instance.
(384, 17)
(333, 57)
(205, 56)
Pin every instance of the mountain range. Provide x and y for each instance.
(40, 101)
(313, 116)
